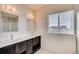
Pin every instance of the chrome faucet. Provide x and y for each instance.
(11, 37)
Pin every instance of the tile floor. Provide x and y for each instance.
(43, 51)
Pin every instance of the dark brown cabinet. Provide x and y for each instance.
(0, 50)
(36, 44)
(22, 47)
(9, 49)
(29, 46)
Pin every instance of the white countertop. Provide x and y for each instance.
(16, 40)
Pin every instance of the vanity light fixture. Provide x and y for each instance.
(30, 16)
(9, 8)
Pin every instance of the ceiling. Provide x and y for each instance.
(33, 6)
(36, 6)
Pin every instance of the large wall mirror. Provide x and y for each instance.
(9, 22)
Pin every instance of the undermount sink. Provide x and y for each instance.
(8, 39)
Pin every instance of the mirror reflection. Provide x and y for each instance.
(9, 22)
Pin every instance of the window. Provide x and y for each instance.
(53, 21)
(65, 20)
(61, 22)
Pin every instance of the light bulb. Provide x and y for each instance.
(30, 16)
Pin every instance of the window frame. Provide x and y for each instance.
(59, 30)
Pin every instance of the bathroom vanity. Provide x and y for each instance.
(14, 42)
(28, 46)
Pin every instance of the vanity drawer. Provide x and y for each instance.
(22, 46)
(29, 50)
(36, 40)
(9, 50)
(0, 50)
(29, 46)
(29, 41)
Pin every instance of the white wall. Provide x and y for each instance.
(55, 43)
(77, 23)
(21, 12)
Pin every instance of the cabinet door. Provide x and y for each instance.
(36, 40)
(9, 49)
(29, 46)
(36, 44)
(22, 46)
(0, 51)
